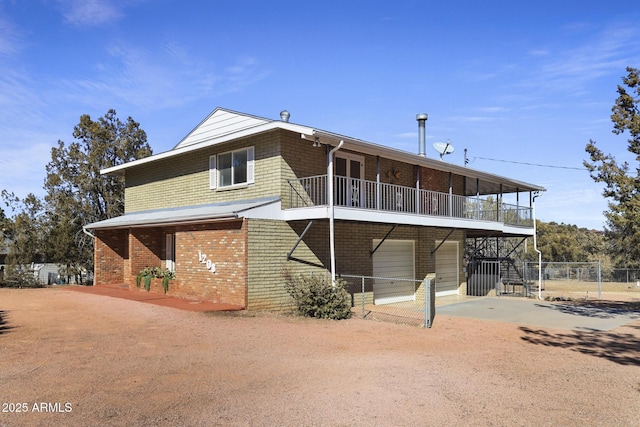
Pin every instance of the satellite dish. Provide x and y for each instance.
(443, 148)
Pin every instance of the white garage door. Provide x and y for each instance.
(393, 259)
(447, 279)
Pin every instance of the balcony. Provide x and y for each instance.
(374, 196)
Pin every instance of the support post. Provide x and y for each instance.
(363, 297)
(599, 280)
(429, 302)
(332, 242)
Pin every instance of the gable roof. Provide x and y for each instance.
(220, 126)
(220, 123)
(224, 125)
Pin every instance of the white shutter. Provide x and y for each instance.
(394, 259)
(213, 173)
(250, 166)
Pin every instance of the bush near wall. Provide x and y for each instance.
(315, 296)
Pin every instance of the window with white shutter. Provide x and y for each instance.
(231, 169)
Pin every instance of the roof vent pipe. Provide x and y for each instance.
(284, 116)
(422, 150)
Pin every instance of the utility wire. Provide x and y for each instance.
(531, 164)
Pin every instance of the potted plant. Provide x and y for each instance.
(148, 273)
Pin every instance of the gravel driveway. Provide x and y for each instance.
(77, 359)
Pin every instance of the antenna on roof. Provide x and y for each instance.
(443, 148)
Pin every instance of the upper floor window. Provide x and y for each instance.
(233, 168)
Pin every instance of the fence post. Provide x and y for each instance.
(429, 303)
(363, 297)
(599, 281)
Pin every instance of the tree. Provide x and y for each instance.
(622, 185)
(24, 231)
(77, 194)
(567, 243)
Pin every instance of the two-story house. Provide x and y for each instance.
(241, 198)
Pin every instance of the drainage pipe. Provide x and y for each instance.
(332, 242)
(535, 246)
(87, 232)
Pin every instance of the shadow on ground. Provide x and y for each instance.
(621, 348)
(4, 328)
(598, 309)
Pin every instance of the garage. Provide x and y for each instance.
(394, 259)
(447, 276)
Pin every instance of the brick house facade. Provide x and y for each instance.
(242, 198)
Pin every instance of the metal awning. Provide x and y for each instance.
(186, 215)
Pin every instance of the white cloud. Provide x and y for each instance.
(89, 13)
(609, 51)
(493, 109)
(165, 78)
(472, 119)
(576, 202)
(10, 38)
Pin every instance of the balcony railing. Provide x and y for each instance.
(371, 195)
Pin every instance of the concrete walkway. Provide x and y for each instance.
(574, 315)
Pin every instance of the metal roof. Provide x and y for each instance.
(224, 125)
(191, 214)
(488, 183)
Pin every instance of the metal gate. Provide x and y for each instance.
(484, 277)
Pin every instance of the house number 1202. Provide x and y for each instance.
(203, 259)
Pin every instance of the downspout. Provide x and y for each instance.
(332, 244)
(535, 245)
(93, 237)
(88, 233)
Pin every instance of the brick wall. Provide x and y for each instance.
(225, 245)
(270, 242)
(110, 253)
(299, 159)
(184, 180)
(250, 255)
(145, 247)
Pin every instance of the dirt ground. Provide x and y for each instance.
(77, 359)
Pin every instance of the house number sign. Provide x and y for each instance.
(207, 262)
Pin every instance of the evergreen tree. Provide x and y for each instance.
(24, 230)
(622, 184)
(78, 194)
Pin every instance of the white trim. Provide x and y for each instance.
(258, 208)
(119, 169)
(251, 168)
(353, 193)
(308, 133)
(352, 156)
(385, 152)
(332, 243)
(367, 215)
(214, 171)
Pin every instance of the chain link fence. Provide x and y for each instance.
(560, 280)
(397, 300)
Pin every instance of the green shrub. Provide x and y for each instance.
(149, 273)
(315, 296)
(20, 278)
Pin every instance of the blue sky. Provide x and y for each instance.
(517, 83)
